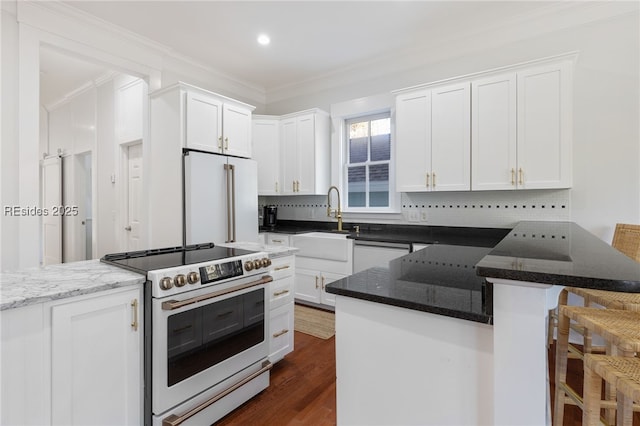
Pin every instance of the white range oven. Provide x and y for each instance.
(206, 330)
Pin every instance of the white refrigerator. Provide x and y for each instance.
(220, 198)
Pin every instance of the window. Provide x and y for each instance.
(368, 163)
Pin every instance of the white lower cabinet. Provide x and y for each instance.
(75, 361)
(281, 313)
(311, 286)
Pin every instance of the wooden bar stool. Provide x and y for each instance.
(619, 328)
(626, 239)
(621, 373)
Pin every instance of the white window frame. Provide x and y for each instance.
(342, 112)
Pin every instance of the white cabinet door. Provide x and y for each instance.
(413, 141)
(203, 122)
(281, 327)
(328, 278)
(266, 151)
(544, 127)
(307, 285)
(96, 359)
(131, 94)
(289, 155)
(306, 180)
(236, 130)
(450, 138)
(493, 133)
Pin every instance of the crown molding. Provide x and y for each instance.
(556, 16)
(68, 97)
(28, 12)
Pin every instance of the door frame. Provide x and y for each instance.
(123, 193)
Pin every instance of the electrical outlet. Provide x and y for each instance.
(413, 216)
(423, 215)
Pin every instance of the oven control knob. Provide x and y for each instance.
(266, 262)
(193, 277)
(166, 283)
(248, 266)
(180, 280)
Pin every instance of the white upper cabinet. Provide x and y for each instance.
(544, 127)
(305, 149)
(493, 133)
(216, 124)
(131, 98)
(432, 137)
(450, 138)
(266, 151)
(203, 122)
(413, 141)
(511, 130)
(521, 133)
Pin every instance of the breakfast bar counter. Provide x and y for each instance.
(436, 352)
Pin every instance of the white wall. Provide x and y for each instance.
(606, 106)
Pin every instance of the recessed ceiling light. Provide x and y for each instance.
(264, 39)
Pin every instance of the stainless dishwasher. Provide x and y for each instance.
(368, 254)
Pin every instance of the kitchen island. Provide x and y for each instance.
(415, 358)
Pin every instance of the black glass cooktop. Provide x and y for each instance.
(150, 260)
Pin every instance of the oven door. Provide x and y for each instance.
(201, 337)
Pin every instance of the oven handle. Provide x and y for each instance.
(170, 305)
(175, 420)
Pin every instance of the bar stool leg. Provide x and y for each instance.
(562, 348)
(592, 390)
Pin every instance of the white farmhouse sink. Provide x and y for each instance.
(322, 245)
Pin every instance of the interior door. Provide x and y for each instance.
(205, 212)
(51, 223)
(134, 196)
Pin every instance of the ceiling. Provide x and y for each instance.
(309, 39)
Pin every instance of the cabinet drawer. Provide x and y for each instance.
(281, 332)
(282, 267)
(277, 240)
(281, 292)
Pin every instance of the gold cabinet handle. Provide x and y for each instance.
(280, 268)
(226, 143)
(513, 176)
(317, 282)
(280, 333)
(521, 173)
(276, 186)
(294, 185)
(134, 308)
(433, 181)
(220, 142)
(427, 180)
(322, 280)
(277, 241)
(280, 293)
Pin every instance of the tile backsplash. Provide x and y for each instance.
(479, 209)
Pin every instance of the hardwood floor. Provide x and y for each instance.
(302, 390)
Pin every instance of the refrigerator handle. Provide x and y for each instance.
(231, 202)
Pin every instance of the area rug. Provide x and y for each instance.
(315, 322)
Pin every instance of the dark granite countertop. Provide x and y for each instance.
(560, 253)
(450, 279)
(453, 235)
(439, 279)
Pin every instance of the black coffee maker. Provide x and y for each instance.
(269, 216)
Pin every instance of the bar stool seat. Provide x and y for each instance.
(619, 328)
(621, 373)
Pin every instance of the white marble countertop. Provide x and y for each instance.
(38, 285)
(272, 250)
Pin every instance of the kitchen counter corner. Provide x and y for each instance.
(44, 284)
